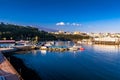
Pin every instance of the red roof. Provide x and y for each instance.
(7, 41)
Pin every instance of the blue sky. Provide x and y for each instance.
(67, 15)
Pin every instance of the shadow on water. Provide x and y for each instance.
(5, 72)
(26, 73)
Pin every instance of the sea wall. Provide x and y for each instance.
(7, 70)
(26, 73)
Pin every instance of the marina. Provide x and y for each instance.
(97, 62)
(61, 46)
(60, 40)
(64, 48)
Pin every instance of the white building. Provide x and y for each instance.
(76, 33)
(107, 39)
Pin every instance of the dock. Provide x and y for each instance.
(4, 50)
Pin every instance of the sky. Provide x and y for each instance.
(67, 15)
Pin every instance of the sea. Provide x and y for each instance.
(95, 62)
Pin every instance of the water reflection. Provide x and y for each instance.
(43, 52)
(106, 48)
(94, 63)
(34, 52)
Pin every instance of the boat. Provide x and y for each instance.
(73, 48)
(76, 47)
(49, 44)
(82, 48)
(43, 48)
(22, 43)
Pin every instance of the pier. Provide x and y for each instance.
(7, 71)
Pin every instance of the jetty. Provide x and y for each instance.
(7, 71)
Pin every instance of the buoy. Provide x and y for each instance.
(82, 48)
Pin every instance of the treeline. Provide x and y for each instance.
(71, 37)
(17, 32)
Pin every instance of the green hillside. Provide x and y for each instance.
(17, 32)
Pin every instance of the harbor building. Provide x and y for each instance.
(7, 43)
(106, 40)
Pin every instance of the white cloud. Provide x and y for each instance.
(68, 24)
(76, 24)
(60, 24)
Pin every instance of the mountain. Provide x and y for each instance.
(47, 29)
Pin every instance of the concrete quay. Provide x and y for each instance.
(7, 71)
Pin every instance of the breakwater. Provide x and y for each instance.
(26, 73)
(7, 70)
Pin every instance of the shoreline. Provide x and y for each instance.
(7, 70)
(25, 72)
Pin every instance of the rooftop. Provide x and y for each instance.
(7, 41)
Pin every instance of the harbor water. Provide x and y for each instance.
(96, 62)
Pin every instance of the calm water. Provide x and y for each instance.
(96, 62)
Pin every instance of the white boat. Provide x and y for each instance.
(75, 47)
(22, 43)
(43, 48)
(49, 44)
